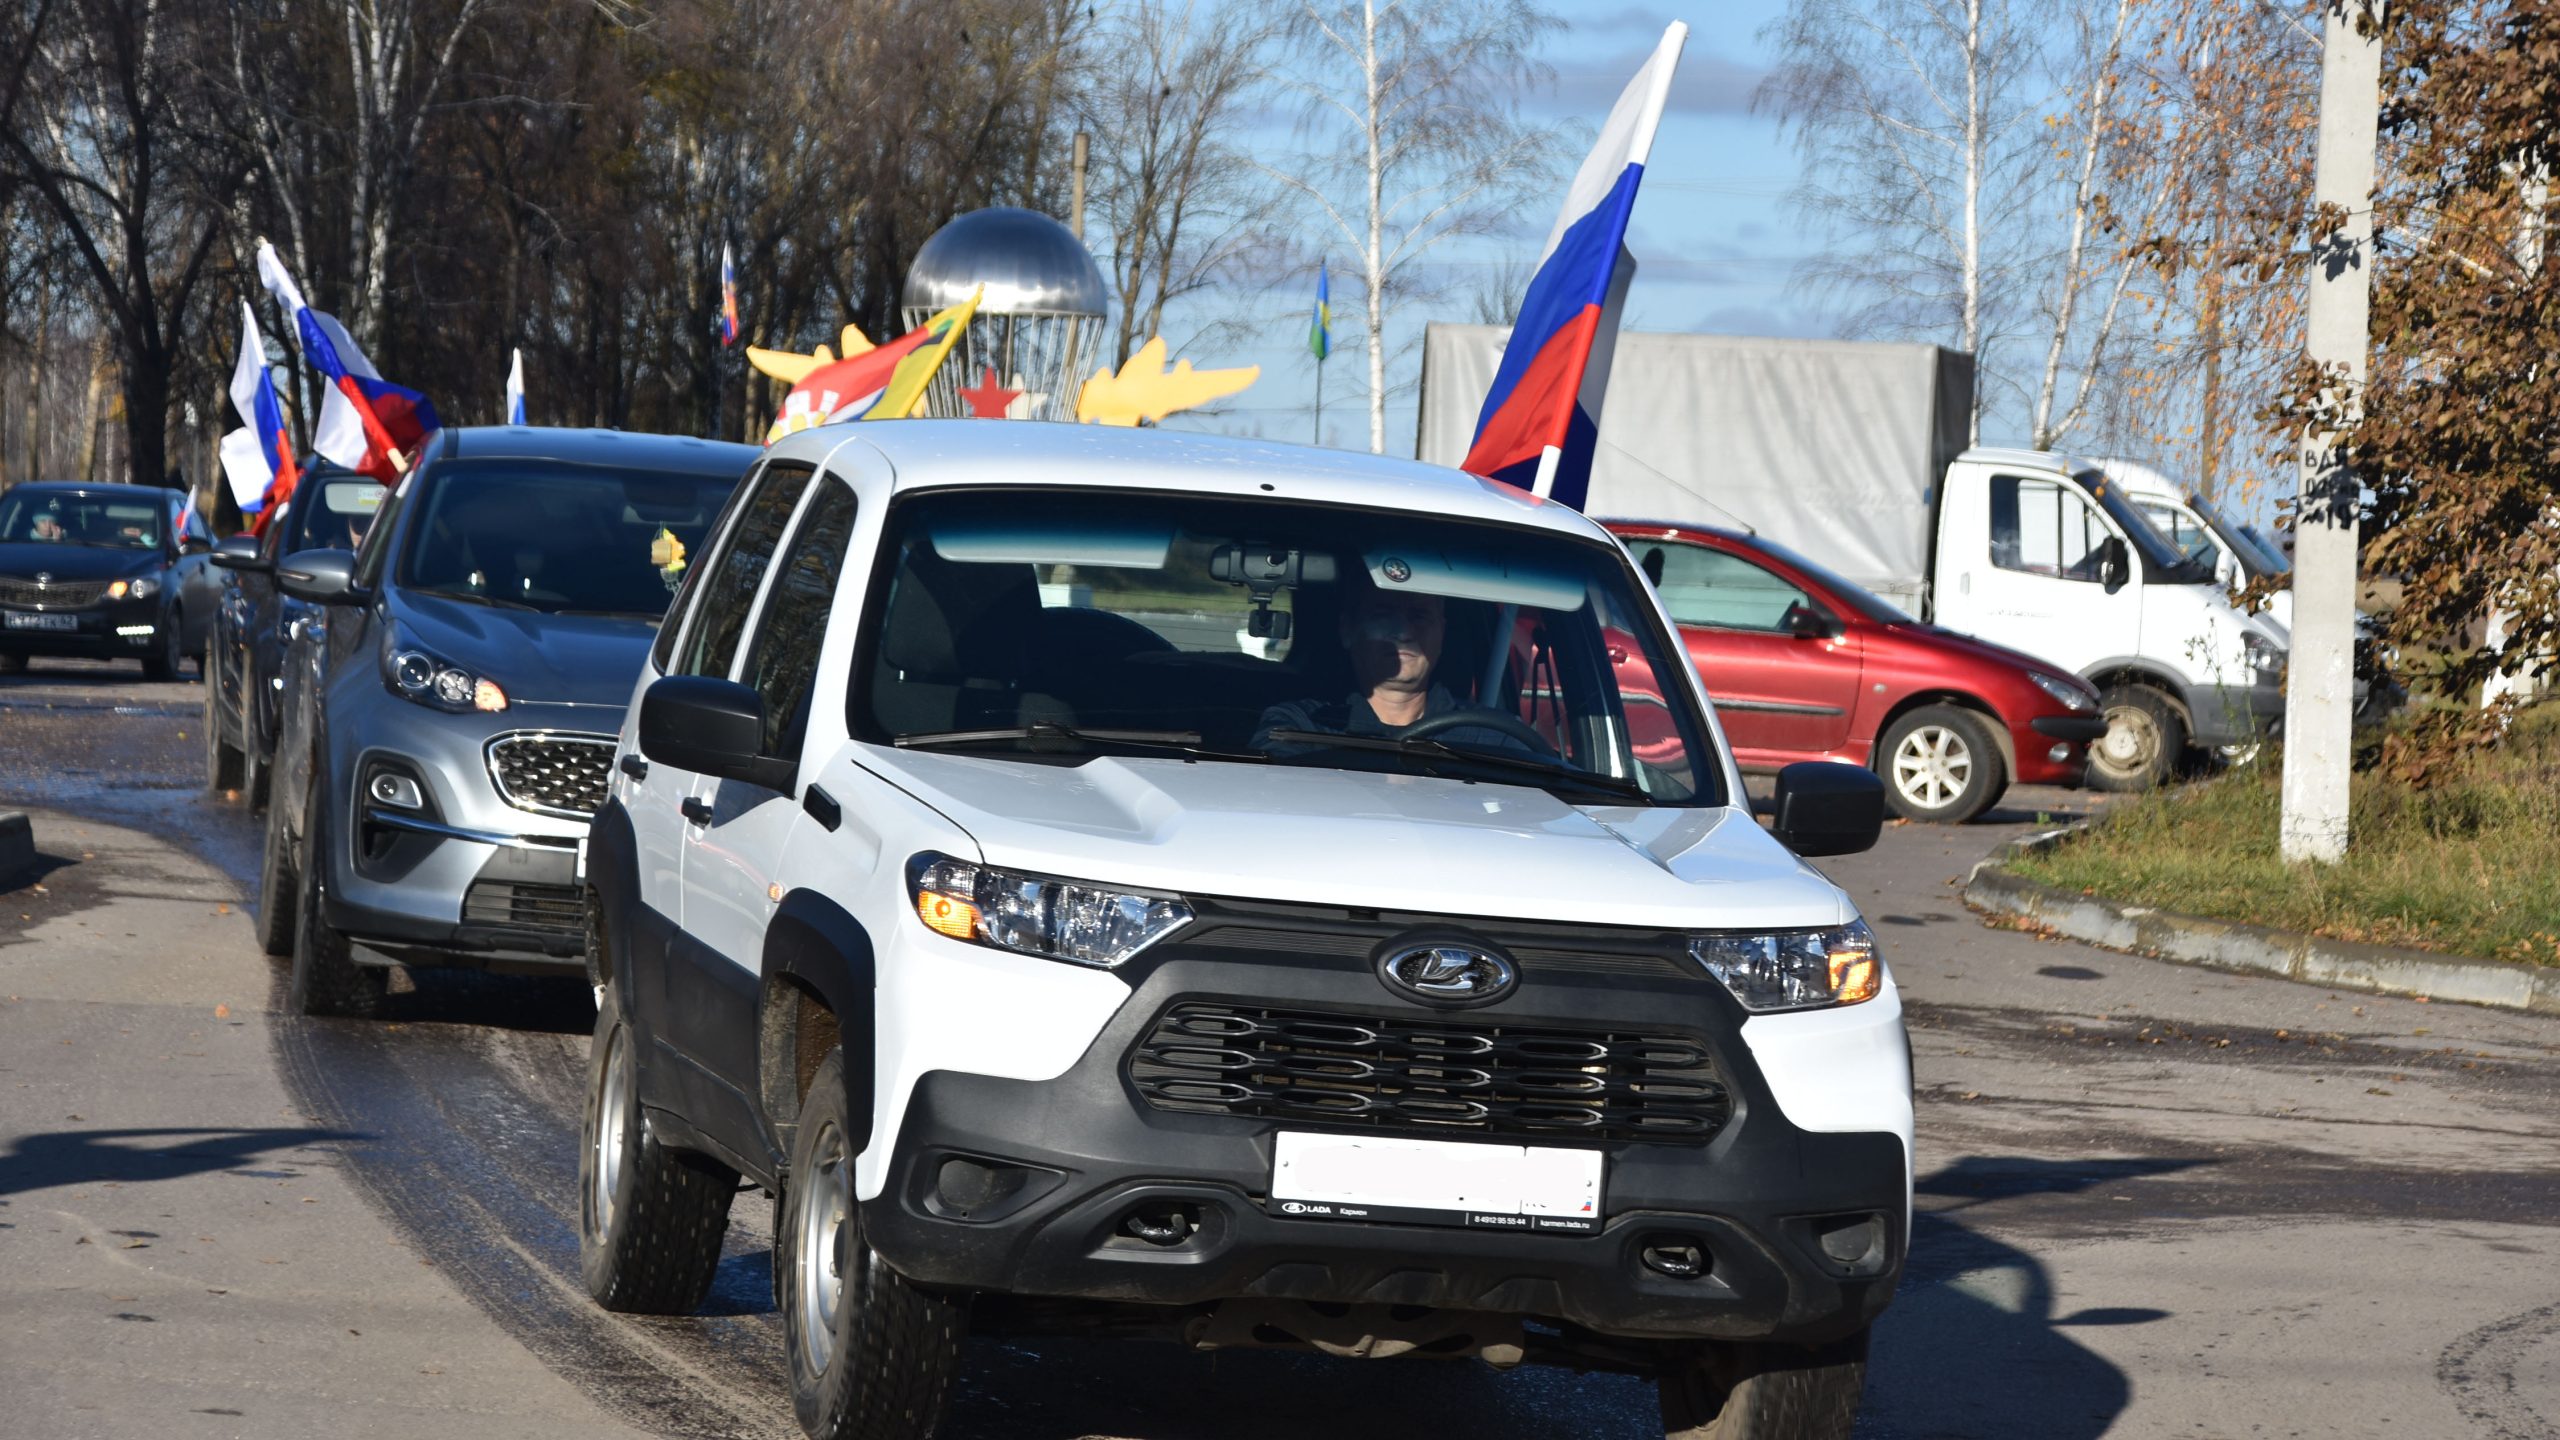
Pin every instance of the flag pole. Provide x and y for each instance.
(1319, 400)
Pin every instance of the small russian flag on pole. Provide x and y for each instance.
(728, 296)
(515, 388)
(1541, 420)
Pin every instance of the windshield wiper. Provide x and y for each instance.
(1430, 747)
(466, 597)
(1186, 741)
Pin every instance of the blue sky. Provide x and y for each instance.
(1714, 238)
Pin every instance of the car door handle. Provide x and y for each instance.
(635, 767)
(696, 810)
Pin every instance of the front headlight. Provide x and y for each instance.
(413, 674)
(2265, 656)
(1066, 920)
(1795, 972)
(141, 587)
(2073, 698)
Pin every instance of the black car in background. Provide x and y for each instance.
(252, 621)
(94, 571)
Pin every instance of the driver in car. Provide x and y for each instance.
(1393, 640)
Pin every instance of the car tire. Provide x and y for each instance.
(650, 1219)
(326, 978)
(279, 890)
(1720, 1391)
(2144, 743)
(871, 1355)
(1940, 763)
(221, 756)
(163, 661)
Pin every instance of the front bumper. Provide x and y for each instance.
(2232, 715)
(2036, 741)
(464, 879)
(1027, 1187)
(99, 632)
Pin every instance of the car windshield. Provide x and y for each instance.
(2161, 561)
(1059, 626)
(2244, 547)
(561, 539)
(333, 514)
(71, 517)
(1857, 597)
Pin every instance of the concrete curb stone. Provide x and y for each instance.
(2231, 945)
(17, 844)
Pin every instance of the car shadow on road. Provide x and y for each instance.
(125, 1157)
(1978, 1341)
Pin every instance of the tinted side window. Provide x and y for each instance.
(783, 663)
(711, 640)
(662, 650)
(1709, 587)
(377, 540)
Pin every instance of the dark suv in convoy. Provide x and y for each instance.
(447, 719)
(253, 620)
(1148, 884)
(95, 571)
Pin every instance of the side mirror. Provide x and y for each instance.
(193, 546)
(710, 727)
(323, 577)
(1827, 808)
(2115, 565)
(1807, 623)
(240, 552)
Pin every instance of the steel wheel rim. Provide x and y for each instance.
(2131, 739)
(823, 1199)
(613, 1125)
(1932, 766)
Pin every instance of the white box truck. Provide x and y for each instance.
(1854, 453)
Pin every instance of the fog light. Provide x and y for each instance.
(1679, 1259)
(2058, 754)
(133, 632)
(397, 790)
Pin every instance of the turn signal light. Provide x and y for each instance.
(1854, 976)
(947, 915)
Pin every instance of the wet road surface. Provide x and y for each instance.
(2153, 1200)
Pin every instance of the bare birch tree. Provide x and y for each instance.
(1412, 118)
(1917, 123)
(1177, 199)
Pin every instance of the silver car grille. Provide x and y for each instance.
(551, 773)
(67, 595)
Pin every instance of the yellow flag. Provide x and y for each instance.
(905, 392)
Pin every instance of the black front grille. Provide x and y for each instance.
(1368, 1071)
(560, 908)
(552, 774)
(67, 595)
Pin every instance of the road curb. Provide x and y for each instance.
(17, 843)
(2255, 949)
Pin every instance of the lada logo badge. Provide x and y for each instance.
(44, 577)
(1448, 973)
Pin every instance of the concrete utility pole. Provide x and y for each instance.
(2319, 702)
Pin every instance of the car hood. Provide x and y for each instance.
(1357, 838)
(22, 559)
(1939, 637)
(535, 658)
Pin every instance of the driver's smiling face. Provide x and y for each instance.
(1393, 637)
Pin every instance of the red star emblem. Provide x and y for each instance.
(987, 400)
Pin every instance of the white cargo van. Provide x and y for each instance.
(1854, 453)
(2199, 530)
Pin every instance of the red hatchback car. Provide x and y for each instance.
(1804, 665)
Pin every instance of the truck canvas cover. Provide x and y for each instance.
(1832, 447)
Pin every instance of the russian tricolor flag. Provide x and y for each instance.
(367, 424)
(257, 458)
(1542, 417)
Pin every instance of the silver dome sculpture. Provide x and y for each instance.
(1040, 324)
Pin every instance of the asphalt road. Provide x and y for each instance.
(2154, 1200)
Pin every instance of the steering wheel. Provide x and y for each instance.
(1478, 717)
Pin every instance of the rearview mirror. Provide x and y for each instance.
(240, 552)
(710, 727)
(323, 577)
(1827, 808)
(2115, 566)
(1806, 623)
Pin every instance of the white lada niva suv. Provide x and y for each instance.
(1250, 895)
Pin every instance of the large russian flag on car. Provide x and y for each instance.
(257, 458)
(1542, 416)
(366, 423)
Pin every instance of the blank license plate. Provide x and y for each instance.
(43, 622)
(1436, 1182)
